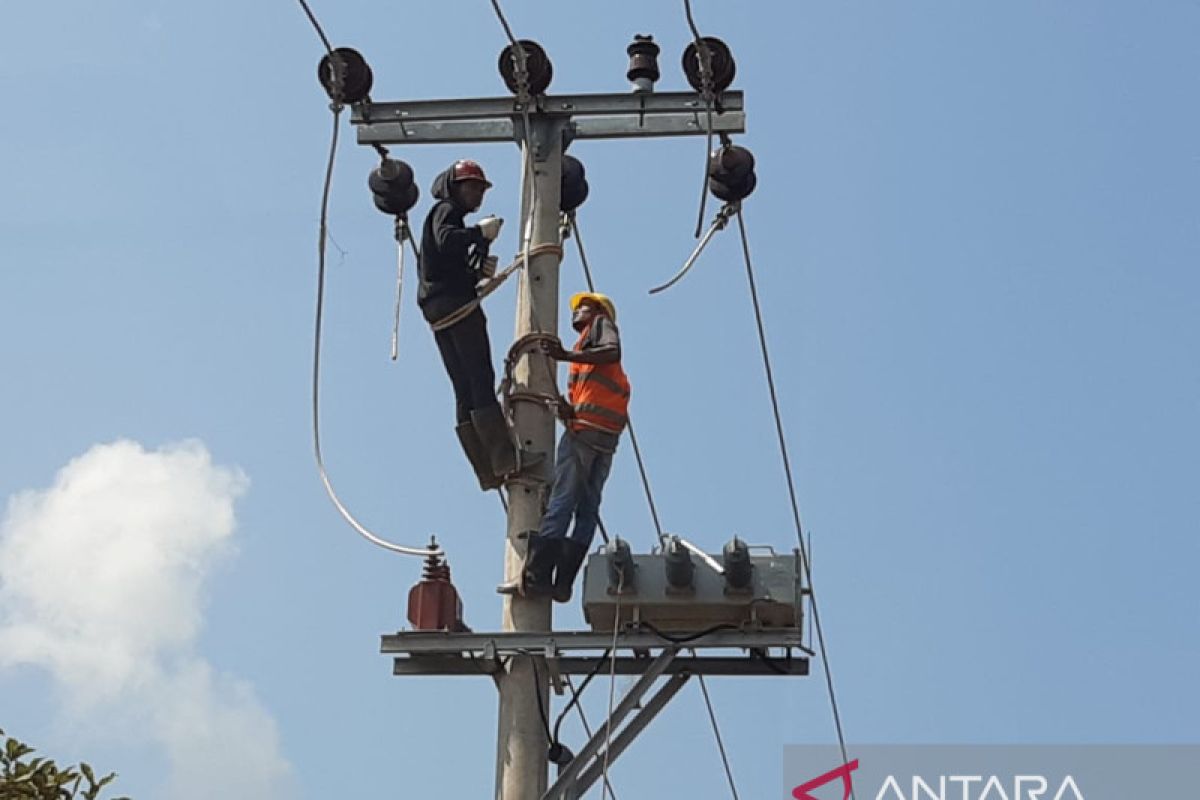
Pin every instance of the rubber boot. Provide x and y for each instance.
(539, 564)
(505, 459)
(570, 559)
(468, 437)
(497, 442)
(535, 579)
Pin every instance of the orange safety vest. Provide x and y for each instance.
(599, 393)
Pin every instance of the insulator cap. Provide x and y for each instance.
(393, 187)
(353, 74)
(731, 173)
(739, 569)
(574, 184)
(643, 59)
(620, 564)
(679, 566)
(537, 64)
(733, 192)
(730, 163)
(723, 66)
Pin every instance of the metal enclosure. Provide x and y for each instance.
(773, 599)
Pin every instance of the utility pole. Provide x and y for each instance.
(521, 744)
(553, 121)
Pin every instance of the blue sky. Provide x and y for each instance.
(976, 235)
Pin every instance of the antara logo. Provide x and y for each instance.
(948, 787)
(980, 787)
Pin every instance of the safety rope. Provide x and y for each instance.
(322, 236)
(495, 282)
(791, 485)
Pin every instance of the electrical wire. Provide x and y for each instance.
(612, 681)
(791, 485)
(537, 691)
(587, 729)
(712, 717)
(575, 695)
(691, 637)
(317, 27)
(705, 56)
(322, 236)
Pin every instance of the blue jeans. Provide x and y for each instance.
(579, 475)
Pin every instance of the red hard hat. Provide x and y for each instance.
(467, 170)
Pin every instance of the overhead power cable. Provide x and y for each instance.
(322, 236)
(712, 717)
(705, 56)
(791, 484)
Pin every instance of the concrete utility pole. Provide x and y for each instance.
(521, 762)
(521, 743)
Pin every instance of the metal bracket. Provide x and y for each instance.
(564, 786)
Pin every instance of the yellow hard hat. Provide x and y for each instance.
(595, 297)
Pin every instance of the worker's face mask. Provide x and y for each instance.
(581, 317)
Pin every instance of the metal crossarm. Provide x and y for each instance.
(499, 119)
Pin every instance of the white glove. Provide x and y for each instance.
(490, 227)
(487, 268)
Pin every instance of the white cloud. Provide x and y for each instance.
(101, 585)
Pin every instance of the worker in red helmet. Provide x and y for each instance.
(595, 414)
(454, 258)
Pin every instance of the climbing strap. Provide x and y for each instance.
(462, 312)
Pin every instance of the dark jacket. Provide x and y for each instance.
(447, 279)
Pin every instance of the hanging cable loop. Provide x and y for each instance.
(322, 237)
(402, 233)
(718, 224)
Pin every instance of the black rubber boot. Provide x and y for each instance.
(539, 564)
(497, 442)
(468, 437)
(570, 559)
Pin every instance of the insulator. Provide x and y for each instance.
(393, 186)
(730, 164)
(679, 566)
(620, 564)
(537, 65)
(354, 76)
(643, 63)
(723, 66)
(739, 569)
(574, 184)
(733, 192)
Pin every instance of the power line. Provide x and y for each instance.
(717, 733)
(791, 485)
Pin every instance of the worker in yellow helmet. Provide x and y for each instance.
(595, 413)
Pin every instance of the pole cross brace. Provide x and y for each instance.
(603, 747)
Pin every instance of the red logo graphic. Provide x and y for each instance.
(801, 792)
